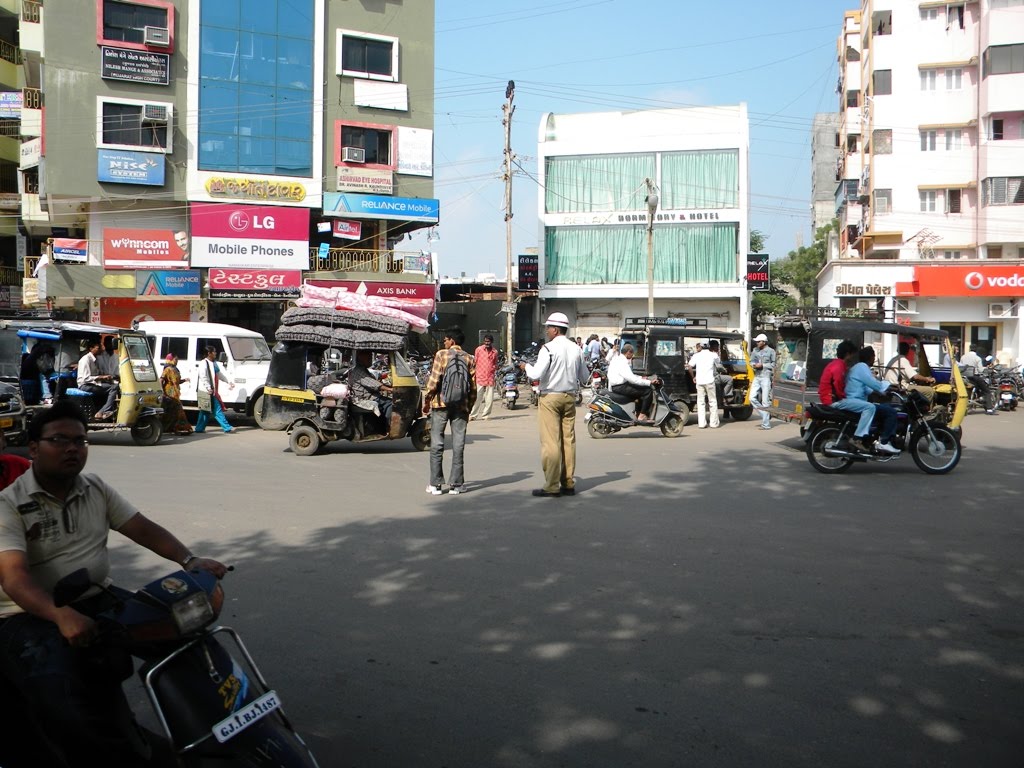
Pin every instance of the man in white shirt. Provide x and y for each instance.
(622, 381)
(704, 366)
(92, 380)
(971, 364)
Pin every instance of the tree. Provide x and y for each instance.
(757, 240)
(800, 271)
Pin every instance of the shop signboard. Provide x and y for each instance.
(354, 179)
(348, 230)
(121, 313)
(272, 284)
(144, 248)
(758, 272)
(388, 290)
(381, 207)
(118, 166)
(10, 105)
(167, 285)
(135, 66)
(249, 236)
(70, 250)
(965, 281)
(529, 265)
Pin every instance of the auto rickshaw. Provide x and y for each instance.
(138, 408)
(807, 341)
(663, 348)
(306, 392)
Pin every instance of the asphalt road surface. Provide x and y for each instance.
(703, 601)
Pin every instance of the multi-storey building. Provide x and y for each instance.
(199, 159)
(597, 172)
(825, 168)
(12, 242)
(930, 196)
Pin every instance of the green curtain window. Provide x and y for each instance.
(700, 179)
(689, 253)
(582, 184)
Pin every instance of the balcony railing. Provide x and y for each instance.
(10, 52)
(30, 265)
(359, 260)
(31, 11)
(10, 276)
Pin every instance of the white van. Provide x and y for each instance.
(243, 355)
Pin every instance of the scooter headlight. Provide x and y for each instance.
(193, 613)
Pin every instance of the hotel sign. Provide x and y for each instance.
(255, 189)
(616, 218)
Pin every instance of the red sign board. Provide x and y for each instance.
(967, 281)
(249, 236)
(144, 249)
(384, 290)
(121, 312)
(348, 230)
(274, 284)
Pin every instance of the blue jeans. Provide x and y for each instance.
(458, 418)
(866, 411)
(218, 414)
(888, 417)
(761, 398)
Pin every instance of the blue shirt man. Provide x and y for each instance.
(860, 384)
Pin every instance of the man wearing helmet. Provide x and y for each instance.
(762, 360)
(561, 371)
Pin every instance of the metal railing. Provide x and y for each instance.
(30, 265)
(360, 260)
(10, 128)
(31, 11)
(10, 52)
(9, 276)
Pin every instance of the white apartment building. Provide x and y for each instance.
(593, 214)
(931, 190)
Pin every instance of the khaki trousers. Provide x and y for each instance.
(557, 422)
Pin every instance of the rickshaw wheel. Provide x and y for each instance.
(147, 431)
(672, 426)
(304, 441)
(742, 413)
(420, 435)
(939, 457)
(816, 452)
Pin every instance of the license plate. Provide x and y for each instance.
(5, 423)
(238, 721)
(511, 394)
(1004, 396)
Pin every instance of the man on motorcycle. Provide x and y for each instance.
(860, 384)
(971, 364)
(622, 381)
(55, 520)
(832, 387)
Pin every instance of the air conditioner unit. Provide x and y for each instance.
(906, 306)
(154, 113)
(1002, 310)
(160, 36)
(353, 155)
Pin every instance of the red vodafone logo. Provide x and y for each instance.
(974, 280)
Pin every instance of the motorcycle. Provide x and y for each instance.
(934, 446)
(610, 413)
(510, 392)
(213, 704)
(1008, 395)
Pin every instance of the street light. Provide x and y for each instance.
(652, 208)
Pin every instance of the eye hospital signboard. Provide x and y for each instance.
(249, 236)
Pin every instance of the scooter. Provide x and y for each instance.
(1008, 395)
(213, 704)
(510, 392)
(609, 413)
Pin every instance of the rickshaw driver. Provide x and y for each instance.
(900, 372)
(366, 390)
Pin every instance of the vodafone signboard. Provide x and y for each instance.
(974, 280)
(249, 236)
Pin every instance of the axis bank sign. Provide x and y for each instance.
(974, 280)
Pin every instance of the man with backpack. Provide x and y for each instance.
(449, 398)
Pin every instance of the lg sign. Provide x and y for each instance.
(976, 281)
(241, 221)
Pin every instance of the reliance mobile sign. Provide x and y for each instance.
(966, 281)
(249, 236)
(381, 207)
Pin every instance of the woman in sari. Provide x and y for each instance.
(175, 421)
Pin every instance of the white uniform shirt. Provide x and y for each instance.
(559, 367)
(88, 369)
(704, 365)
(971, 363)
(620, 371)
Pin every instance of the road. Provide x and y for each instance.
(705, 601)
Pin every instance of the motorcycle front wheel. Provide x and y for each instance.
(672, 426)
(938, 456)
(829, 465)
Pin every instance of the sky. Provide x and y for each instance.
(603, 55)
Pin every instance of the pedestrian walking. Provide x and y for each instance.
(174, 419)
(207, 384)
(448, 399)
(762, 359)
(561, 371)
(486, 358)
(704, 366)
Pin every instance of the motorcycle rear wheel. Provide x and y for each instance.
(829, 465)
(599, 429)
(939, 457)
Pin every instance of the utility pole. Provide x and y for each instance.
(652, 209)
(508, 110)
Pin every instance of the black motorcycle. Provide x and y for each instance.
(212, 703)
(934, 446)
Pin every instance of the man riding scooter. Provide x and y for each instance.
(622, 381)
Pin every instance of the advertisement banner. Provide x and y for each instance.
(67, 250)
(10, 105)
(974, 280)
(758, 272)
(348, 230)
(529, 265)
(118, 166)
(121, 313)
(381, 207)
(386, 290)
(164, 285)
(415, 151)
(135, 66)
(145, 249)
(273, 284)
(249, 236)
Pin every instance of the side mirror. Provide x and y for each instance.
(71, 587)
(222, 358)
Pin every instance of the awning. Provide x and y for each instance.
(971, 62)
(950, 185)
(933, 126)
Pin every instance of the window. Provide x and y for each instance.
(173, 345)
(1002, 190)
(371, 56)
(954, 139)
(881, 141)
(838, 140)
(881, 82)
(954, 16)
(373, 140)
(853, 98)
(124, 24)
(954, 79)
(928, 141)
(851, 143)
(136, 124)
(883, 201)
(953, 201)
(996, 133)
(927, 200)
(993, 4)
(1003, 60)
(927, 79)
(952, 254)
(929, 14)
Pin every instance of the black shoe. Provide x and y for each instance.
(857, 446)
(542, 493)
(568, 491)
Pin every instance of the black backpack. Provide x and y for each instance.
(455, 384)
